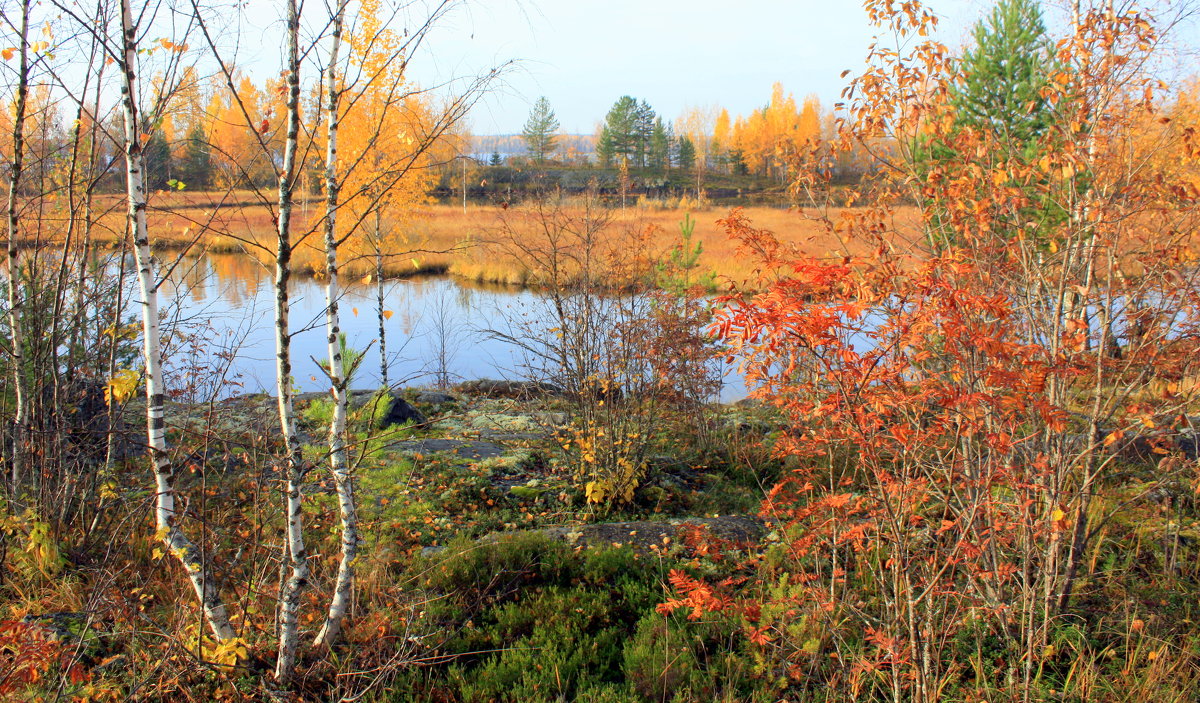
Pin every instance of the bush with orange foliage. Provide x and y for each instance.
(958, 411)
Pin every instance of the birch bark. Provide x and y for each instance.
(343, 477)
(296, 555)
(192, 559)
(16, 458)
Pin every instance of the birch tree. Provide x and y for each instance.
(190, 557)
(296, 557)
(338, 459)
(14, 294)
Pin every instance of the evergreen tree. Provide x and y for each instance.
(1004, 74)
(999, 96)
(196, 168)
(540, 128)
(158, 161)
(660, 145)
(621, 125)
(685, 153)
(643, 127)
(604, 148)
(495, 160)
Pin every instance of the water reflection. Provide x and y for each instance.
(221, 306)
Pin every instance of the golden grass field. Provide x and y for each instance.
(444, 239)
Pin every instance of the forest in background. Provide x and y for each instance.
(967, 470)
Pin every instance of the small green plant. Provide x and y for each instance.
(679, 272)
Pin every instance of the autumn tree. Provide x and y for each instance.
(953, 416)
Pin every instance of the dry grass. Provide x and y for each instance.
(442, 238)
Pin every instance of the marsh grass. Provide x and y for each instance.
(441, 239)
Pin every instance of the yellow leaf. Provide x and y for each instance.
(7, 53)
(156, 553)
(355, 311)
(1113, 438)
(121, 386)
(1057, 515)
(367, 279)
(387, 314)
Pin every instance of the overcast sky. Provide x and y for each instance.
(584, 54)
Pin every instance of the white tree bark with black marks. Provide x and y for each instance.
(189, 555)
(339, 462)
(296, 555)
(379, 298)
(20, 394)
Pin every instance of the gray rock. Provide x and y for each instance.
(400, 412)
(520, 390)
(466, 448)
(61, 627)
(435, 398)
(742, 530)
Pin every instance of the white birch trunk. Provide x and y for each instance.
(343, 591)
(382, 319)
(296, 554)
(14, 294)
(190, 557)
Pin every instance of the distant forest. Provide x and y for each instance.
(506, 145)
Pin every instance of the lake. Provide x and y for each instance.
(221, 308)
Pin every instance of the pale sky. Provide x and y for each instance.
(584, 54)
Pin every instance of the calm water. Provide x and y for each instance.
(221, 307)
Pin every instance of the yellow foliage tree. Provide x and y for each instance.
(390, 136)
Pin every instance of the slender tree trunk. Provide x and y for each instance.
(343, 590)
(383, 361)
(190, 557)
(296, 554)
(20, 394)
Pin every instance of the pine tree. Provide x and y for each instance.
(621, 124)
(495, 160)
(1004, 74)
(540, 129)
(999, 96)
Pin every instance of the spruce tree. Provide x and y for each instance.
(540, 128)
(196, 169)
(643, 127)
(604, 148)
(660, 145)
(685, 154)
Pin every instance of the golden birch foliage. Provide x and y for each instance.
(384, 156)
(236, 152)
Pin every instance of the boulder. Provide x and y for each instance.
(465, 448)
(400, 412)
(519, 390)
(434, 398)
